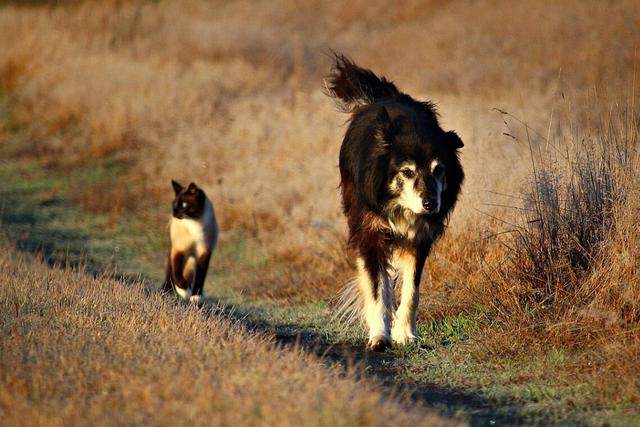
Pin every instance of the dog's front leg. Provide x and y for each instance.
(376, 291)
(404, 328)
(409, 265)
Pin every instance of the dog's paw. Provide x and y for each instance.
(185, 294)
(379, 343)
(196, 299)
(402, 335)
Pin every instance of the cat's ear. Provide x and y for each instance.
(176, 186)
(193, 188)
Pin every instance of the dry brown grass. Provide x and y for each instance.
(75, 350)
(232, 92)
(229, 95)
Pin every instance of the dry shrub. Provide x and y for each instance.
(568, 278)
(570, 209)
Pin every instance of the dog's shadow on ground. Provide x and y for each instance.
(381, 366)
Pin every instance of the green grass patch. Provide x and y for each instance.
(450, 330)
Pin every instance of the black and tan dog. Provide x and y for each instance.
(194, 233)
(400, 179)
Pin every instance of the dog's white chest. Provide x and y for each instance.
(403, 226)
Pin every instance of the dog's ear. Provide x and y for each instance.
(176, 186)
(453, 138)
(372, 181)
(372, 174)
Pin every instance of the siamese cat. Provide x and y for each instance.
(194, 234)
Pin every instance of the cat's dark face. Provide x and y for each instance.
(189, 201)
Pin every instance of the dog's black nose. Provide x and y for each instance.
(429, 205)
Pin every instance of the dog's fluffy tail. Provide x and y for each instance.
(349, 306)
(353, 87)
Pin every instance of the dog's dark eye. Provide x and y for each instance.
(408, 173)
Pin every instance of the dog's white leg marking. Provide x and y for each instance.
(404, 324)
(184, 293)
(376, 310)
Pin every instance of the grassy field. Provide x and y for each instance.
(530, 305)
